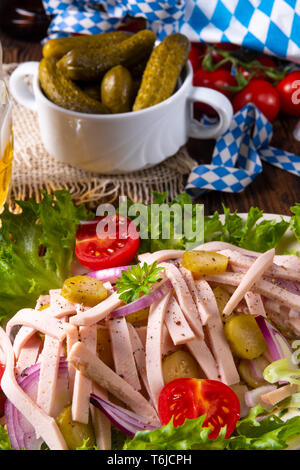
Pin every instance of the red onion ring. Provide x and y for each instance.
(21, 433)
(145, 301)
(125, 420)
(109, 275)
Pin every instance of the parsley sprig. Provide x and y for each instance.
(137, 280)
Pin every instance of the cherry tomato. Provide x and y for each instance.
(196, 55)
(216, 80)
(110, 248)
(2, 396)
(190, 398)
(289, 94)
(262, 94)
(256, 72)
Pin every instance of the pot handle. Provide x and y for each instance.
(221, 105)
(18, 87)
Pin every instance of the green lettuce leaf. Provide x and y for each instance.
(36, 249)
(191, 435)
(4, 439)
(295, 220)
(281, 371)
(250, 234)
(258, 431)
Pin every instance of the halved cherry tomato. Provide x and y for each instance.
(109, 250)
(262, 94)
(2, 396)
(190, 398)
(289, 94)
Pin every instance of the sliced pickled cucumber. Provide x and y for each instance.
(222, 296)
(84, 290)
(245, 337)
(63, 92)
(179, 364)
(140, 317)
(162, 71)
(74, 433)
(58, 47)
(204, 262)
(91, 64)
(246, 373)
(117, 89)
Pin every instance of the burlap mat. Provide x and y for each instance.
(34, 169)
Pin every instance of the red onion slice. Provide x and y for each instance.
(257, 367)
(268, 333)
(108, 275)
(145, 301)
(252, 397)
(125, 420)
(21, 433)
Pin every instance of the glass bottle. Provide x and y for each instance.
(24, 19)
(6, 138)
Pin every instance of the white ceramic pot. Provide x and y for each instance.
(120, 143)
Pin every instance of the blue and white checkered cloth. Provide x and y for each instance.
(270, 26)
(238, 154)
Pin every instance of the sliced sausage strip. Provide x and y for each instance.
(59, 306)
(193, 286)
(101, 424)
(24, 334)
(154, 346)
(122, 351)
(42, 301)
(255, 304)
(95, 369)
(201, 352)
(252, 276)
(82, 385)
(217, 340)
(167, 346)
(236, 259)
(139, 356)
(160, 256)
(263, 287)
(44, 323)
(44, 425)
(29, 354)
(275, 396)
(97, 313)
(176, 323)
(72, 338)
(49, 364)
(184, 297)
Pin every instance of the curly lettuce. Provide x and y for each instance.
(36, 249)
(258, 431)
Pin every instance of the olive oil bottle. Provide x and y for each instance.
(6, 138)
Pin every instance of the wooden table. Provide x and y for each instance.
(273, 190)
